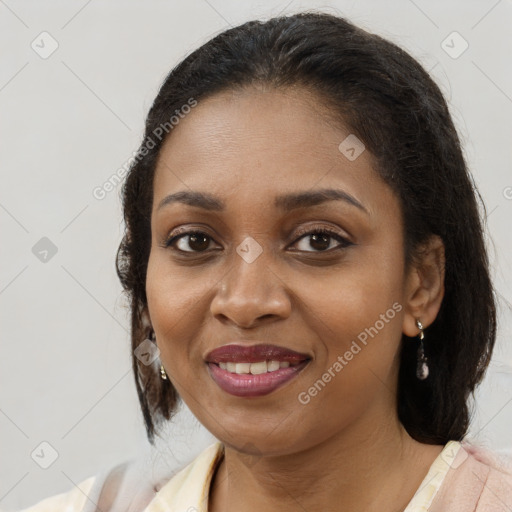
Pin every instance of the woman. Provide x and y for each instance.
(303, 246)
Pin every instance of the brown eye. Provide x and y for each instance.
(320, 240)
(197, 241)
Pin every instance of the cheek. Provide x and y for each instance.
(356, 314)
(357, 323)
(356, 294)
(175, 301)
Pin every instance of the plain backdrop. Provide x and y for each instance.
(76, 81)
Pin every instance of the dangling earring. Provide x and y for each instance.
(163, 375)
(422, 366)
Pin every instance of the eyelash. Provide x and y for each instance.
(344, 242)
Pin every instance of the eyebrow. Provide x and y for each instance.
(285, 202)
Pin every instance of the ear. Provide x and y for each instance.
(145, 318)
(424, 286)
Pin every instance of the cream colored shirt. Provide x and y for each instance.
(187, 490)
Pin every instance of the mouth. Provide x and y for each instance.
(255, 370)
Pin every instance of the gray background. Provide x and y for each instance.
(71, 120)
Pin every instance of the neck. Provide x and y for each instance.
(372, 467)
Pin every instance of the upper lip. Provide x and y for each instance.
(238, 353)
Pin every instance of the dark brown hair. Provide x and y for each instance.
(390, 102)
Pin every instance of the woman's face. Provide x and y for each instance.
(259, 272)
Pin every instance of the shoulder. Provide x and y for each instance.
(135, 485)
(497, 470)
(131, 483)
(73, 500)
(478, 479)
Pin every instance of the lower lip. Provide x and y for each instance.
(247, 384)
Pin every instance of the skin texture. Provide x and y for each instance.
(345, 449)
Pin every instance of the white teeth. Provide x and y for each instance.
(272, 366)
(243, 368)
(255, 368)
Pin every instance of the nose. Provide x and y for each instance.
(251, 293)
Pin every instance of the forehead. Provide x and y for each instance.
(260, 143)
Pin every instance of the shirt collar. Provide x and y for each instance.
(188, 490)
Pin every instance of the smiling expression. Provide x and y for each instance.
(264, 233)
